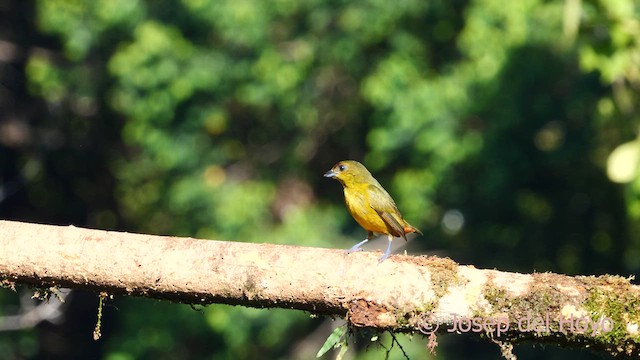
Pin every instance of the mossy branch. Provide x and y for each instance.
(402, 294)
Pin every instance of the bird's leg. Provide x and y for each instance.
(388, 252)
(357, 246)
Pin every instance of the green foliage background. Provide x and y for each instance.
(490, 122)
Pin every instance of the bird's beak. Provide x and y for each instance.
(330, 174)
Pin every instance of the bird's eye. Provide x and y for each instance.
(342, 167)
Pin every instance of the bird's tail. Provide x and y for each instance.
(410, 229)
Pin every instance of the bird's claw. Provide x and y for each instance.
(386, 253)
(383, 258)
(356, 247)
(353, 249)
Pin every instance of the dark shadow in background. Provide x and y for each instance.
(533, 198)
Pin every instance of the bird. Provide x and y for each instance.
(369, 204)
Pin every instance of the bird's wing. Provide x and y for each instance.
(383, 204)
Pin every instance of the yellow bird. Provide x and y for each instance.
(369, 204)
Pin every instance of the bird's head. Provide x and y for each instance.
(349, 172)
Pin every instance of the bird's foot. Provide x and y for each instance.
(356, 247)
(383, 258)
(386, 253)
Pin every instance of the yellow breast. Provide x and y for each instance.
(359, 207)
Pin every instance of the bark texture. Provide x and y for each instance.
(404, 293)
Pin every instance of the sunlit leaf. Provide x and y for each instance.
(332, 340)
(622, 164)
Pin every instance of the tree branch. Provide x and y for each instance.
(404, 293)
